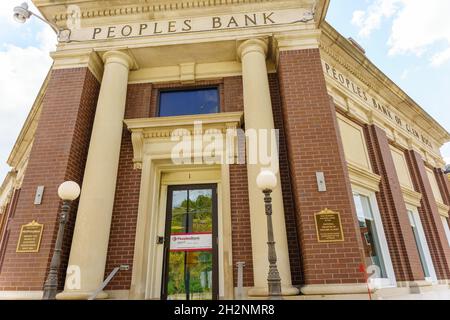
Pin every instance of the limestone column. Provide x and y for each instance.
(258, 116)
(91, 235)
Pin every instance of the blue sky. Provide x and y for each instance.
(409, 40)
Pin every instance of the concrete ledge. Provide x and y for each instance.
(21, 295)
(424, 292)
(79, 295)
(413, 284)
(264, 292)
(118, 295)
(334, 289)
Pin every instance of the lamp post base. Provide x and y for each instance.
(286, 291)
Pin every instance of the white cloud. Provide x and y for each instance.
(440, 58)
(371, 19)
(23, 71)
(417, 26)
(405, 74)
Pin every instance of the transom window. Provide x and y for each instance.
(188, 102)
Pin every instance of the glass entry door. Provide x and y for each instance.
(190, 250)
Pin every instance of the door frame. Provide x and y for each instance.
(215, 235)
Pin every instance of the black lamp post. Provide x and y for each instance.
(68, 192)
(267, 181)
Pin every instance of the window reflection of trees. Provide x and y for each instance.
(193, 214)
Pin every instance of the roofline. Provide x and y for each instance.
(322, 7)
(5, 182)
(373, 69)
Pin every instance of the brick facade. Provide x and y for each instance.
(233, 101)
(314, 145)
(399, 235)
(240, 223)
(444, 185)
(142, 102)
(58, 154)
(309, 143)
(288, 200)
(126, 202)
(430, 217)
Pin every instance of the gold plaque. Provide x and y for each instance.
(30, 238)
(329, 226)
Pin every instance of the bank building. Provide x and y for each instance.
(361, 201)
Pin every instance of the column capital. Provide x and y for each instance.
(121, 57)
(253, 45)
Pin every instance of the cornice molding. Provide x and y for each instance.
(343, 63)
(79, 59)
(411, 197)
(363, 178)
(164, 128)
(145, 7)
(443, 209)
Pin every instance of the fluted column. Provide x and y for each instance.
(92, 228)
(259, 116)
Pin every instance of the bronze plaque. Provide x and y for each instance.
(30, 238)
(329, 226)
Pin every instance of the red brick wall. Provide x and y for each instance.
(58, 154)
(288, 200)
(399, 235)
(240, 223)
(314, 144)
(430, 217)
(233, 101)
(124, 218)
(233, 96)
(444, 185)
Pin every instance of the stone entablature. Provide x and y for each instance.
(366, 94)
(91, 10)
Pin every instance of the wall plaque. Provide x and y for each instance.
(30, 238)
(329, 226)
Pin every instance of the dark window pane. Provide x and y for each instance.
(180, 103)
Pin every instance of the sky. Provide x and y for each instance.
(409, 40)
